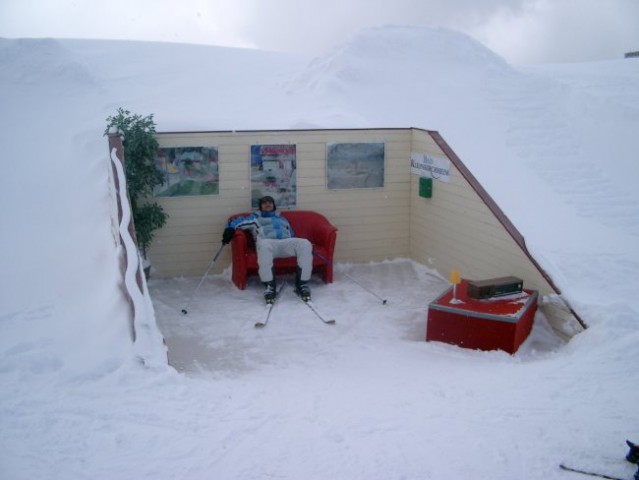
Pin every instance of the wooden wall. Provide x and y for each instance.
(373, 223)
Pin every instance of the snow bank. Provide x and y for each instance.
(554, 145)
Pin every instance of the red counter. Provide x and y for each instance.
(496, 323)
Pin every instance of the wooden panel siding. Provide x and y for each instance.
(363, 216)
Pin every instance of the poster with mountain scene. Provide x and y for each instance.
(355, 165)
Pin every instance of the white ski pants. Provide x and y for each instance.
(268, 249)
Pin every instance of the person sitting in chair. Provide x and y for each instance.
(274, 238)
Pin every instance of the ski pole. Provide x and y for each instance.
(184, 310)
(351, 278)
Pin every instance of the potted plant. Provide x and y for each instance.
(142, 176)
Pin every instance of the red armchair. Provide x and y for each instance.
(306, 224)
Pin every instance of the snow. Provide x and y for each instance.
(555, 145)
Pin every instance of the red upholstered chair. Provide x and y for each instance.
(306, 224)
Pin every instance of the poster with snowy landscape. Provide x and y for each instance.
(273, 172)
(188, 171)
(354, 165)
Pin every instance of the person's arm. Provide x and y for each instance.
(247, 222)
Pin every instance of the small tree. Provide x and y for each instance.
(140, 149)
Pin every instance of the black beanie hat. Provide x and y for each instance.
(267, 197)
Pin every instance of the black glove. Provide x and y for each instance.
(228, 235)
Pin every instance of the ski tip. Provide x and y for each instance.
(586, 472)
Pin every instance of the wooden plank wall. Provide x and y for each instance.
(373, 223)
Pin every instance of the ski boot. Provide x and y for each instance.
(270, 291)
(302, 288)
(633, 454)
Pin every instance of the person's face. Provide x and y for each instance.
(267, 206)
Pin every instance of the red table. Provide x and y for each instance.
(495, 323)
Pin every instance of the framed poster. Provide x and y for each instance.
(354, 165)
(273, 172)
(188, 171)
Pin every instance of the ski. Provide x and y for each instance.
(267, 314)
(309, 304)
(586, 472)
(268, 309)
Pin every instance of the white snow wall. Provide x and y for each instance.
(149, 346)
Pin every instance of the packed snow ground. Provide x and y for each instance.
(555, 145)
(203, 342)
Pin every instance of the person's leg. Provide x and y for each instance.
(304, 254)
(265, 254)
(264, 250)
(299, 248)
(302, 249)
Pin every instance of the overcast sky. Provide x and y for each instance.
(523, 31)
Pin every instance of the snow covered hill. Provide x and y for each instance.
(556, 147)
